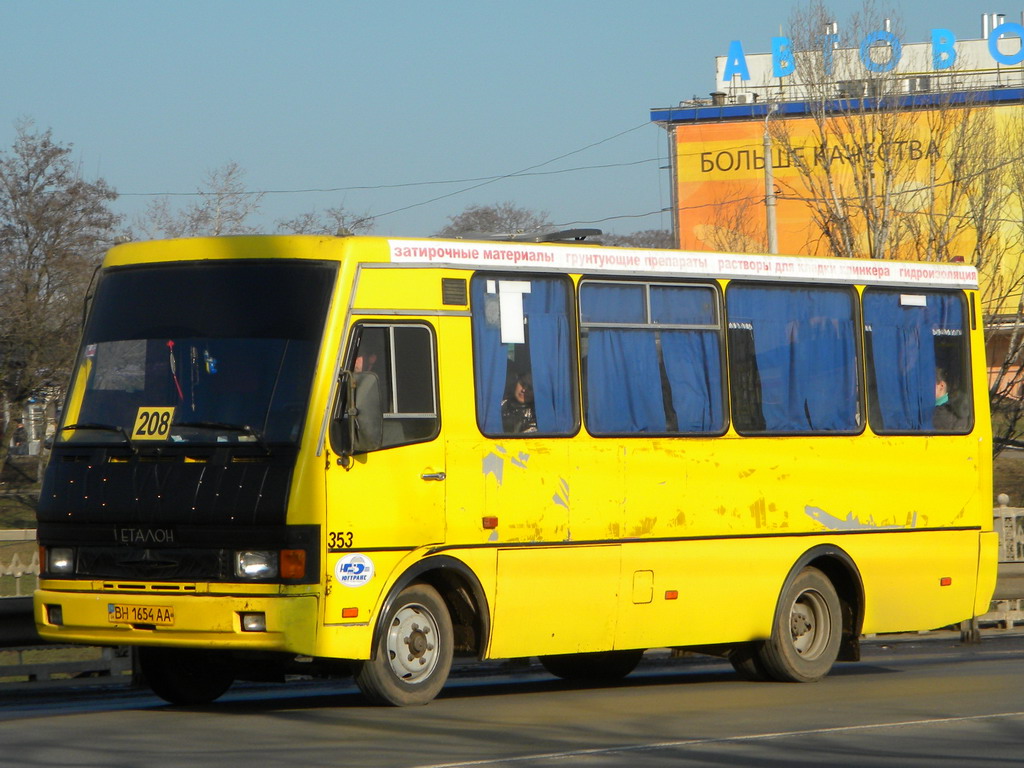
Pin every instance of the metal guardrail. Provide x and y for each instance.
(17, 625)
(27, 660)
(35, 667)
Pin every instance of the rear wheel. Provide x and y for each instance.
(604, 665)
(746, 660)
(807, 631)
(186, 676)
(414, 650)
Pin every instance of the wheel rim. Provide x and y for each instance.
(810, 624)
(412, 643)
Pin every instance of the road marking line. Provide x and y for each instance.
(726, 740)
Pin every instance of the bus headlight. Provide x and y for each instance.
(60, 560)
(256, 564)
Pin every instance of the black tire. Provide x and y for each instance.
(186, 676)
(807, 630)
(604, 665)
(746, 660)
(414, 650)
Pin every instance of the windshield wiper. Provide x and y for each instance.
(104, 428)
(244, 429)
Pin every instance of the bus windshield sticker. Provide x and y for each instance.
(153, 423)
(510, 302)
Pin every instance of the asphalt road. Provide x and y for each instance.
(909, 702)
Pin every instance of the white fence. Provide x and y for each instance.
(19, 571)
(1009, 522)
(1008, 604)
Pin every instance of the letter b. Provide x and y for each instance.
(783, 64)
(943, 49)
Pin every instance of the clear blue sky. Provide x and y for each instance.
(376, 94)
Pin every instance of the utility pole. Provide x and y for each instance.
(769, 187)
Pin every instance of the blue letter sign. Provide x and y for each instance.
(1006, 30)
(736, 63)
(782, 57)
(895, 52)
(943, 49)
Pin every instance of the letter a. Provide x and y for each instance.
(736, 62)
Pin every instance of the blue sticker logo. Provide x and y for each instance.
(354, 570)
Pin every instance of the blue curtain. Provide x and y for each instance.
(550, 342)
(805, 351)
(625, 385)
(694, 370)
(548, 329)
(623, 382)
(903, 355)
(489, 359)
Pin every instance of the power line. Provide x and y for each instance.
(513, 174)
(478, 181)
(400, 185)
(676, 210)
(614, 218)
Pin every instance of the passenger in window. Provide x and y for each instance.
(370, 353)
(948, 415)
(365, 363)
(517, 414)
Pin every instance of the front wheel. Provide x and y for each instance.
(807, 631)
(186, 676)
(413, 653)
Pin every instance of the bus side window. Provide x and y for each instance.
(523, 355)
(402, 356)
(793, 359)
(918, 372)
(652, 361)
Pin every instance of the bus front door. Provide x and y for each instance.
(384, 503)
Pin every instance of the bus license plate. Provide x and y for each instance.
(159, 615)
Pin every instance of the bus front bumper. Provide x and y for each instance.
(285, 623)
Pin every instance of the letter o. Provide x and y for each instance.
(1009, 29)
(896, 51)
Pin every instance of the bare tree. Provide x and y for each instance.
(333, 221)
(997, 212)
(501, 218)
(54, 228)
(881, 180)
(858, 154)
(735, 222)
(223, 207)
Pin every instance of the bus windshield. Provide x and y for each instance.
(199, 352)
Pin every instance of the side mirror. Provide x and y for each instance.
(362, 415)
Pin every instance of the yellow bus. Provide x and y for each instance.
(303, 454)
